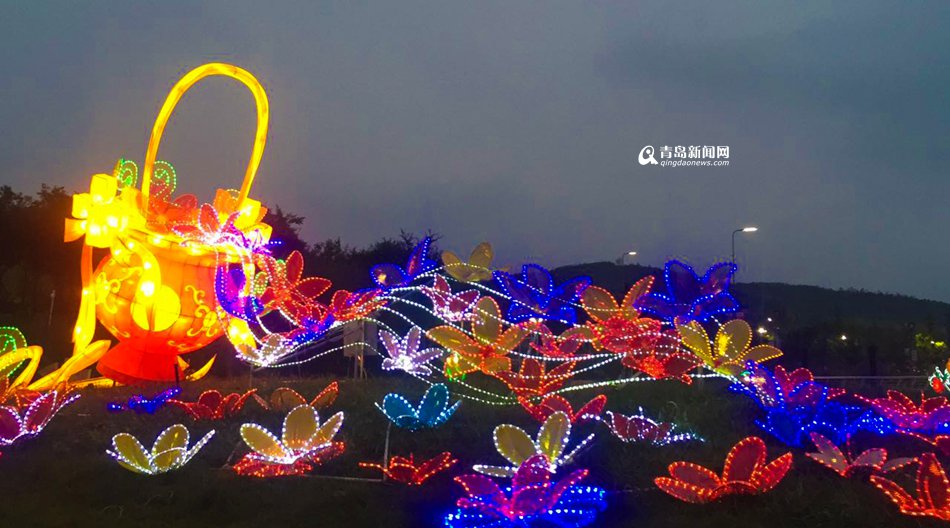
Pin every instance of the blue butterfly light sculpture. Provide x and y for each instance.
(433, 409)
(690, 297)
(535, 295)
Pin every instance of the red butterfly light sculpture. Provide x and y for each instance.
(664, 360)
(931, 416)
(639, 428)
(532, 379)
(745, 472)
(618, 328)
(554, 403)
(348, 306)
(288, 291)
(407, 471)
(212, 405)
(561, 346)
(875, 459)
(933, 490)
(450, 306)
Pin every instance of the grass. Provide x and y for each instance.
(64, 478)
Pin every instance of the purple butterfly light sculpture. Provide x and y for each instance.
(388, 276)
(534, 295)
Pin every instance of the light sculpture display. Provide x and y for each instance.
(533, 500)
(874, 460)
(516, 446)
(304, 443)
(169, 452)
(176, 274)
(212, 405)
(155, 290)
(284, 399)
(433, 410)
(640, 428)
(745, 472)
(17, 424)
(933, 490)
(407, 471)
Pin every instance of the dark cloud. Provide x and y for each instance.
(520, 123)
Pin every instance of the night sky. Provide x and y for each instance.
(520, 123)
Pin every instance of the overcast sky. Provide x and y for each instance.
(520, 123)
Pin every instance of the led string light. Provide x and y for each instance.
(514, 444)
(407, 471)
(169, 452)
(304, 443)
(745, 472)
(433, 409)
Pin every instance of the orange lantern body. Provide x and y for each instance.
(155, 291)
(156, 320)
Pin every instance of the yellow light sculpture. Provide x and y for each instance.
(154, 291)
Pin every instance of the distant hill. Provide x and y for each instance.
(795, 305)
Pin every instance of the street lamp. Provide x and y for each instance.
(625, 255)
(748, 229)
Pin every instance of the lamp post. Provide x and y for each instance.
(748, 229)
(621, 260)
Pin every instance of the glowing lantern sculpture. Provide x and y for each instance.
(155, 290)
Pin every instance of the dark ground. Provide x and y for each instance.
(64, 478)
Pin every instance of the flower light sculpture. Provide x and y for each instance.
(533, 500)
(304, 443)
(639, 428)
(874, 459)
(618, 327)
(516, 446)
(809, 407)
(478, 267)
(488, 346)
(448, 306)
(169, 452)
(556, 403)
(285, 399)
(932, 416)
(17, 424)
(745, 472)
(389, 276)
(407, 471)
(690, 297)
(404, 353)
(730, 351)
(534, 295)
(433, 410)
(212, 405)
(933, 490)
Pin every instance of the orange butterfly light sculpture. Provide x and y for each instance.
(533, 379)
(283, 399)
(645, 345)
(488, 346)
(556, 403)
(933, 490)
(875, 459)
(745, 472)
(407, 471)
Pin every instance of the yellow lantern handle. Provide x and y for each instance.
(186, 82)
